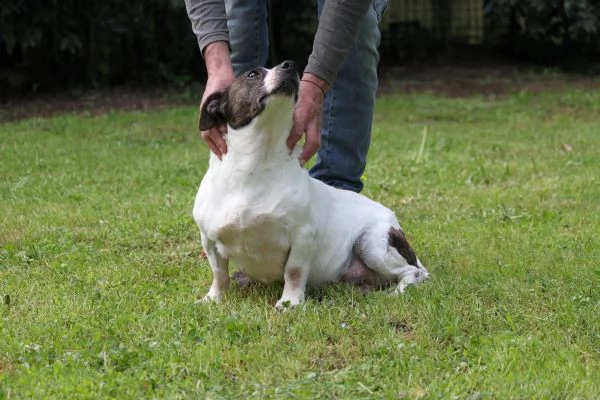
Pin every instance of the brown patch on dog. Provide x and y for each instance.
(293, 275)
(397, 240)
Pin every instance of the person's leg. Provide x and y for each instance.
(248, 33)
(348, 110)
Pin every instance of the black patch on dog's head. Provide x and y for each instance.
(245, 98)
(397, 240)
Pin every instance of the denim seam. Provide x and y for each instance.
(330, 123)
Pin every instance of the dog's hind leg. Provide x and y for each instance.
(384, 249)
(220, 271)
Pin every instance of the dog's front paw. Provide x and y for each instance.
(209, 298)
(287, 304)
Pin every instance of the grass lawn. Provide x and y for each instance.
(100, 267)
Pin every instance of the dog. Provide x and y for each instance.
(257, 207)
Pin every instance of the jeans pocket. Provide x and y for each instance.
(380, 7)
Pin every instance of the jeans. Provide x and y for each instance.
(348, 106)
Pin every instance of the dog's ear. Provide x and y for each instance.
(212, 113)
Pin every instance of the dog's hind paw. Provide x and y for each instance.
(413, 278)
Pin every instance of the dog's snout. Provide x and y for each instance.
(282, 80)
(287, 65)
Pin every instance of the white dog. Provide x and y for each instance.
(257, 207)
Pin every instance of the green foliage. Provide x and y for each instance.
(549, 31)
(50, 45)
(99, 265)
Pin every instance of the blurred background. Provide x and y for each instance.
(69, 46)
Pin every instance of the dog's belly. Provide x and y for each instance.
(260, 249)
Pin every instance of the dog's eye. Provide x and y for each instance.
(252, 74)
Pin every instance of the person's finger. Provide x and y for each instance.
(214, 138)
(211, 144)
(311, 143)
(217, 137)
(294, 136)
(215, 149)
(223, 131)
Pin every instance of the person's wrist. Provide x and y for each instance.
(315, 81)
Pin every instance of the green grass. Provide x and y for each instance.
(99, 265)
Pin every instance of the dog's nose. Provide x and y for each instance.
(287, 65)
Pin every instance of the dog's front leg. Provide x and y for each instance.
(220, 271)
(297, 268)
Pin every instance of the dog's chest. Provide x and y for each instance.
(231, 205)
(250, 215)
(236, 226)
(249, 229)
(260, 239)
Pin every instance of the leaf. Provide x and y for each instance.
(32, 38)
(71, 43)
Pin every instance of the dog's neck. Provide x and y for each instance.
(264, 138)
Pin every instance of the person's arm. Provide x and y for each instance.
(336, 34)
(338, 27)
(209, 23)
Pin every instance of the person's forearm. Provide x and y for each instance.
(336, 34)
(209, 21)
(216, 57)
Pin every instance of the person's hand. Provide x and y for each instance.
(308, 116)
(220, 76)
(214, 136)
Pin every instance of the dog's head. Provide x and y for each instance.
(248, 96)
